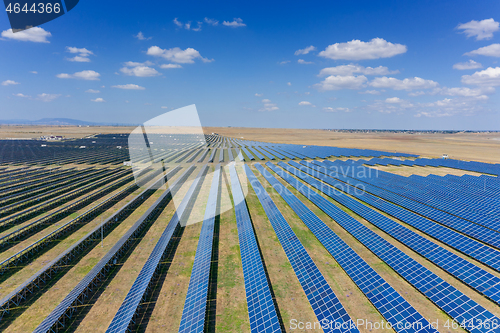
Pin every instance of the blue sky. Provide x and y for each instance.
(353, 64)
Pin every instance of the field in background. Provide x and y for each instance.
(483, 147)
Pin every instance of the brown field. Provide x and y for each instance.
(467, 146)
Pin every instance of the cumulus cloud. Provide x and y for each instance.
(258, 95)
(47, 97)
(488, 77)
(306, 103)
(140, 36)
(370, 92)
(33, 72)
(406, 84)
(83, 75)
(416, 93)
(21, 95)
(464, 91)
(98, 100)
(330, 109)
(211, 21)
(134, 64)
(305, 51)
(283, 62)
(170, 66)
(129, 86)
(268, 105)
(36, 35)
(92, 91)
(356, 69)
(82, 51)
(394, 100)
(492, 50)
(471, 64)
(337, 82)
(177, 55)
(289, 83)
(358, 50)
(139, 69)
(237, 22)
(450, 107)
(303, 62)
(9, 83)
(480, 29)
(164, 107)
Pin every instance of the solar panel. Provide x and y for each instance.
(125, 314)
(193, 315)
(261, 310)
(395, 309)
(440, 292)
(324, 302)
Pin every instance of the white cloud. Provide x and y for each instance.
(178, 23)
(406, 84)
(283, 62)
(170, 66)
(36, 34)
(21, 95)
(164, 107)
(337, 82)
(9, 83)
(33, 72)
(268, 105)
(258, 95)
(305, 51)
(416, 93)
(129, 86)
(237, 22)
(83, 75)
(198, 28)
(289, 83)
(139, 69)
(356, 69)
(480, 29)
(140, 36)
(92, 91)
(177, 55)
(83, 51)
(492, 50)
(98, 100)
(464, 91)
(47, 97)
(303, 62)
(471, 64)
(488, 77)
(78, 59)
(451, 107)
(330, 109)
(211, 21)
(370, 92)
(306, 103)
(394, 100)
(358, 50)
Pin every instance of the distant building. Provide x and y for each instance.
(445, 156)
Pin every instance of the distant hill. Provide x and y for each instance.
(57, 121)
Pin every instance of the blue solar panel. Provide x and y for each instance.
(440, 292)
(474, 276)
(250, 156)
(261, 311)
(193, 315)
(324, 302)
(123, 318)
(395, 309)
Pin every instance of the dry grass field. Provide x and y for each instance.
(483, 147)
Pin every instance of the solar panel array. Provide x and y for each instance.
(125, 314)
(261, 310)
(324, 302)
(453, 302)
(474, 276)
(395, 309)
(193, 315)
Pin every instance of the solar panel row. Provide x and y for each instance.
(125, 314)
(324, 302)
(193, 315)
(395, 309)
(261, 311)
(445, 296)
